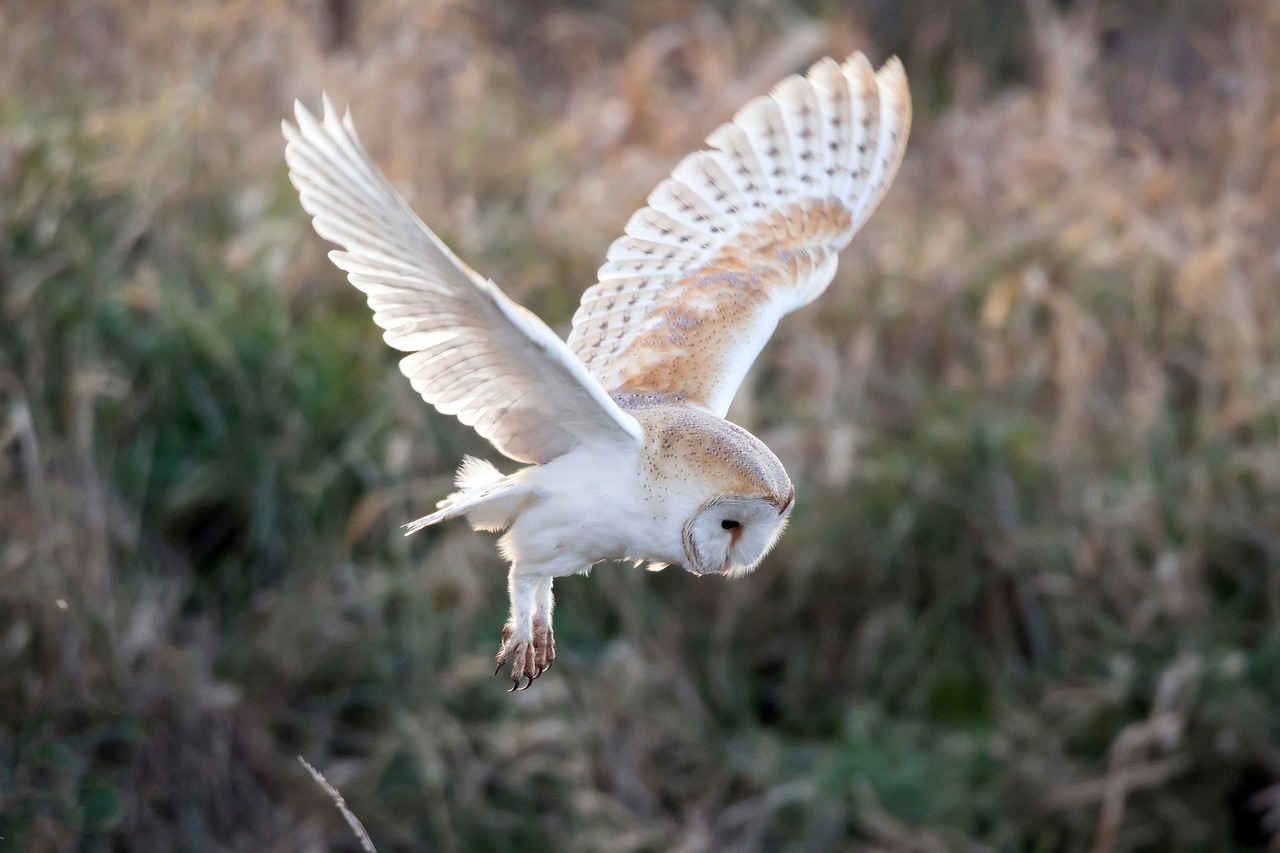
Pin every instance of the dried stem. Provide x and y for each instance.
(357, 828)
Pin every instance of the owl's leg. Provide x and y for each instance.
(518, 635)
(544, 642)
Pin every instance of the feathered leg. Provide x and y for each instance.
(544, 642)
(527, 643)
(517, 635)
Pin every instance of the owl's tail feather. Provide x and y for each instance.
(488, 499)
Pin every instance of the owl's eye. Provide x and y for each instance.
(730, 524)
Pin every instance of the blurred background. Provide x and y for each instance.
(1028, 599)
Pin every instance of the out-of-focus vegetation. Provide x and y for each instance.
(1029, 597)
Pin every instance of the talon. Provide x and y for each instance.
(527, 657)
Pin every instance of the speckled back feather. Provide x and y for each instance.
(743, 233)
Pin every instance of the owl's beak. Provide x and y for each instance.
(791, 499)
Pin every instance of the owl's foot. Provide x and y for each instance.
(529, 656)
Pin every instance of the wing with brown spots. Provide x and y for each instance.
(743, 233)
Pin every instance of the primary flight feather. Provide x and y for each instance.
(630, 457)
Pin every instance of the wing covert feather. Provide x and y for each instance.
(743, 233)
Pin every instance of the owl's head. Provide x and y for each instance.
(730, 535)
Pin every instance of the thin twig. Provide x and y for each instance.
(1130, 779)
(352, 821)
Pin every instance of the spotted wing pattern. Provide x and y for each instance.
(474, 353)
(743, 233)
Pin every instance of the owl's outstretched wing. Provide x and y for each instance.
(743, 233)
(475, 353)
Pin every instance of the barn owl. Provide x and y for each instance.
(622, 428)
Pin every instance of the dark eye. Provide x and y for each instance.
(730, 524)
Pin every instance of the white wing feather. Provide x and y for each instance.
(474, 353)
(743, 234)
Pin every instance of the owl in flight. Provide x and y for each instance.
(622, 427)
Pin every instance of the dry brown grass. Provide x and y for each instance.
(1030, 597)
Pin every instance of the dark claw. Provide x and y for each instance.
(523, 657)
